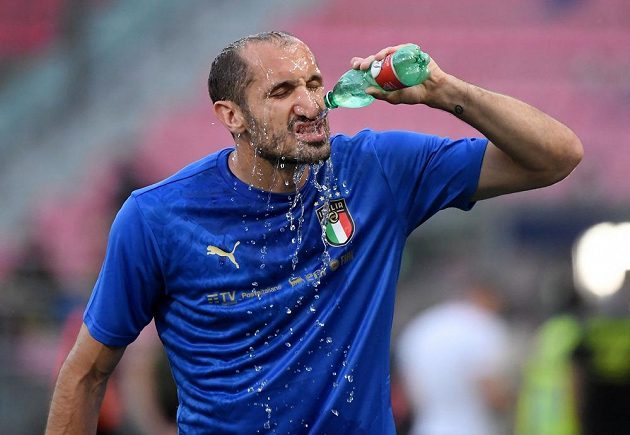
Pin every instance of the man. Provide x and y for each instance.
(454, 361)
(270, 275)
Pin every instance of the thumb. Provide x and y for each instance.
(379, 94)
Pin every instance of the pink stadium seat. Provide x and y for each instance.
(28, 25)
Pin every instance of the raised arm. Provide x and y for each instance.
(528, 148)
(81, 385)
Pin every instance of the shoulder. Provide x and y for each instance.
(190, 174)
(368, 137)
(343, 143)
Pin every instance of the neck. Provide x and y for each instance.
(265, 175)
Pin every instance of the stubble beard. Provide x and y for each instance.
(277, 149)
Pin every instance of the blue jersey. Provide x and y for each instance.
(276, 309)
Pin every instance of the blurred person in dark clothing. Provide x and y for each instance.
(577, 379)
(602, 369)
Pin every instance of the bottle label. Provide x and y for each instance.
(384, 74)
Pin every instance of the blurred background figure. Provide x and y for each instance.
(577, 377)
(602, 368)
(454, 363)
(547, 402)
(147, 387)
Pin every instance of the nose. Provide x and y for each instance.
(308, 103)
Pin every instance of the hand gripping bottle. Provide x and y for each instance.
(407, 66)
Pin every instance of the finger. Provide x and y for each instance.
(365, 63)
(356, 62)
(391, 97)
(377, 93)
(382, 54)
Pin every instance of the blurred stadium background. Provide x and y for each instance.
(100, 96)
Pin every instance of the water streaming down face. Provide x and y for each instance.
(281, 147)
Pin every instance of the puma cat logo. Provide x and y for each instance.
(213, 250)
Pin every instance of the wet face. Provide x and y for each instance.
(285, 103)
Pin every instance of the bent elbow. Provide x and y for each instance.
(569, 156)
(573, 155)
(576, 153)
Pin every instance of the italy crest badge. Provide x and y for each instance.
(339, 226)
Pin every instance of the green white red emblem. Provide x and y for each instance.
(337, 222)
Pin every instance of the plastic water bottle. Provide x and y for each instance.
(407, 66)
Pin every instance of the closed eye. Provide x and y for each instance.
(315, 84)
(281, 91)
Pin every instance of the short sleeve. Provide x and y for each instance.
(429, 173)
(129, 282)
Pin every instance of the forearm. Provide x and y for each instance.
(528, 149)
(533, 140)
(81, 386)
(76, 402)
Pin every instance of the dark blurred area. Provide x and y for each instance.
(98, 97)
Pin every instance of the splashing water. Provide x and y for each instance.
(323, 114)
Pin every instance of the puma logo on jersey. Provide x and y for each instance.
(213, 250)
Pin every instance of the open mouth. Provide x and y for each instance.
(311, 131)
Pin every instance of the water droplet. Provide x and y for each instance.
(258, 368)
(350, 397)
(329, 340)
(349, 378)
(267, 425)
(289, 311)
(308, 369)
(334, 411)
(287, 344)
(312, 309)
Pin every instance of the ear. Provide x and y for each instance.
(230, 115)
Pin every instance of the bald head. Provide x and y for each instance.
(230, 73)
